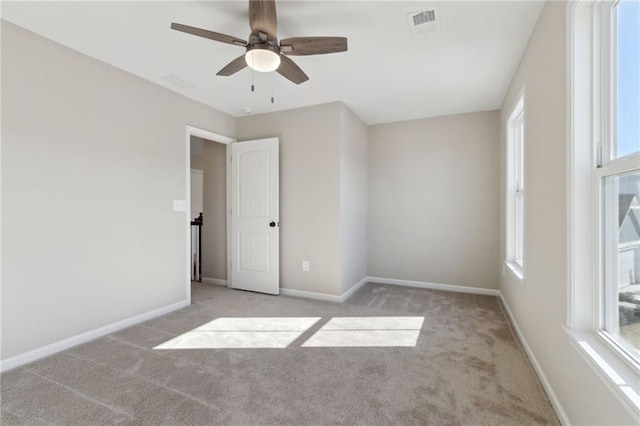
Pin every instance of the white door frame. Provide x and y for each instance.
(215, 137)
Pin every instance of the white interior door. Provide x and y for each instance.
(255, 227)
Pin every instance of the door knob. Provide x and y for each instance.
(272, 224)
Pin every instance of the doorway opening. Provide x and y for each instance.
(207, 200)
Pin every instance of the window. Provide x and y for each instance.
(621, 261)
(603, 312)
(617, 176)
(627, 65)
(516, 188)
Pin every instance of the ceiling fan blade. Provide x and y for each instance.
(289, 70)
(233, 67)
(262, 17)
(313, 45)
(223, 38)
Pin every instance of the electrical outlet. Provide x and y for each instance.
(305, 266)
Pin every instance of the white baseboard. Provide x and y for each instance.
(435, 286)
(215, 281)
(324, 296)
(44, 351)
(310, 295)
(562, 416)
(406, 283)
(347, 294)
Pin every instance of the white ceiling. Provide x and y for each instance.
(387, 74)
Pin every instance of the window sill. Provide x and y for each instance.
(515, 270)
(608, 364)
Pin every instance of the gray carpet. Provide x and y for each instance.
(467, 368)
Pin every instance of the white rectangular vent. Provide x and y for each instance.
(178, 82)
(424, 21)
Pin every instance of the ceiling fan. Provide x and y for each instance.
(263, 53)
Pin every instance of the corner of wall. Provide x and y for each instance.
(353, 199)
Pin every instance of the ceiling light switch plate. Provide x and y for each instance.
(179, 205)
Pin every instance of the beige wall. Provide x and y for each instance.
(433, 200)
(309, 192)
(92, 158)
(353, 198)
(539, 306)
(214, 230)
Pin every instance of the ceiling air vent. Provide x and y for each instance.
(424, 17)
(424, 21)
(178, 82)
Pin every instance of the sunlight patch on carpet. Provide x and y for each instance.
(257, 332)
(242, 333)
(367, 332)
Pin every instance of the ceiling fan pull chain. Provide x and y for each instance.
(273, 88)
(253, 88)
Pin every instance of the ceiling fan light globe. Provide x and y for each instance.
(262, 60)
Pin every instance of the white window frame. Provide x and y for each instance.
(515, 197)
(591, 133)
(607, 165)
